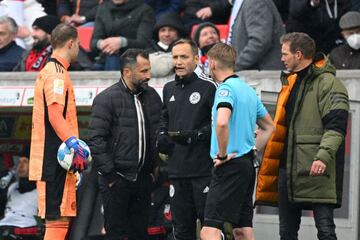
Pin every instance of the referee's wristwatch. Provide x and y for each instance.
(223, 158)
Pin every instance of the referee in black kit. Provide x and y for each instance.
(184, 135)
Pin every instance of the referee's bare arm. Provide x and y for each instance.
(222, 129)
(266, 129)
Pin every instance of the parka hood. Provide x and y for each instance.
(321, 64)
(169, 20)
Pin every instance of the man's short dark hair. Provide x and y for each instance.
(193, 46)
(129, 58)
(299, 41)
(61, 34)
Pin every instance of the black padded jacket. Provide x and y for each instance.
(122, 131)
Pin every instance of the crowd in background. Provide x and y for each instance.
(153, 25)
(252, 27)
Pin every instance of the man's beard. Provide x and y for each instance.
(41, 44)
(140, 86)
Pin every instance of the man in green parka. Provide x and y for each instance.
(311, 121)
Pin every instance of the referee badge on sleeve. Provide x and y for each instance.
(223, 93)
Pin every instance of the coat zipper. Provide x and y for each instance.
(142, 134)
(297, 106)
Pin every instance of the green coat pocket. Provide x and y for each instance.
(306, 148)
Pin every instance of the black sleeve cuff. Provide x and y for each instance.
(336, 120)
(224, 105)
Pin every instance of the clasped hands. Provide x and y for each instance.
(110, 45)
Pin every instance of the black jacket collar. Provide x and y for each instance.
(231, 76)
(127, 89)
(186, 80)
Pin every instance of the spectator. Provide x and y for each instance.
(196, 11)
(319, 19)
(168, 29)
(184, 135)
(235, 113)
(303, 163)
(7, 176)
(119, 25)
(254, 38)
(21, 206)
(10, 52)
(37, 57)
(205, 35)
(78, 12)
(126, 109)
(164, 6)
(347, 56)
(24, 13)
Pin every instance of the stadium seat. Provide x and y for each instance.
(85, 34)
(17, 233)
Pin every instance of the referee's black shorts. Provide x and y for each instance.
(230, 195)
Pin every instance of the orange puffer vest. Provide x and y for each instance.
(267, 182)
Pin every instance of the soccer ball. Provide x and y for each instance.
(65, 157)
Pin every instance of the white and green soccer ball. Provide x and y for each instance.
(65, 157)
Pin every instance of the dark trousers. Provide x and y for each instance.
(290, 215)
(126, 208)
(187, 204)
(112, 62)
